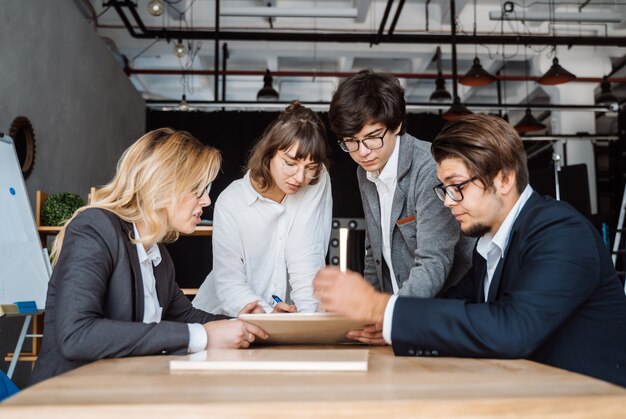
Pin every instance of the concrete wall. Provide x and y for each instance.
(55, 70)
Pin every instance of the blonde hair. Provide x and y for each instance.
(157, 171)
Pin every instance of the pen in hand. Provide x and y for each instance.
(282, 307)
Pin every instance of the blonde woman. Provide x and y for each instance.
(112, 292)
(272, 227)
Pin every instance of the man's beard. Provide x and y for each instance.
(476, 230)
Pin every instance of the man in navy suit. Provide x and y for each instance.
(542, 285)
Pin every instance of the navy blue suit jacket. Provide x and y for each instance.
(555, 298)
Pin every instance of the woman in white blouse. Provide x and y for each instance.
(272, 227)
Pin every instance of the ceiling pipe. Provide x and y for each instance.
(342, 74)
(225, 57)
(216, 57)
(411, 106)
(310, 12)
(383, 22)
(396, 17)
(369, 38)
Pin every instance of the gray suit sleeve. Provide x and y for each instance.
(369, 269)
(88, 260)
(437, 234)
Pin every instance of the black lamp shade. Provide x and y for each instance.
(267, 92)
(456, 111)
(440, 94)
(477, 76)
(606, 96)
(556, 75)
(529, 123)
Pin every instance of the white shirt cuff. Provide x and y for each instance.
(388, 318)
(197, 338)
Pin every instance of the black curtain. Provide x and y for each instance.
(234, 133)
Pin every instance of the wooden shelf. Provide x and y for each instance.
(201, 231)
(49, 229)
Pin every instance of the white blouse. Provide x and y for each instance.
(261, 247)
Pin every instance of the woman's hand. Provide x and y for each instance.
(252, 308)
(285, 308)
(232, 334)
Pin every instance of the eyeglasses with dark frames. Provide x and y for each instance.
(454, 191)
(351, 144)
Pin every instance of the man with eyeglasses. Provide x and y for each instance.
(542, 285)
(411, 239)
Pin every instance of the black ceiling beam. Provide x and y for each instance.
(383, 22)
(362, 38)
(396, 17)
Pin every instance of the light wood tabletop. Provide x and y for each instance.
(393, 387)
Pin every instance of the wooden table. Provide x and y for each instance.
(393, 387)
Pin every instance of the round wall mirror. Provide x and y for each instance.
(24, 139)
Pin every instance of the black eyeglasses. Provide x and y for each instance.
(350, 144)
(454, 192)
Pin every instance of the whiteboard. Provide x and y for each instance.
(23, 269)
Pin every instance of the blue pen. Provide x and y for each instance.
(277, 298)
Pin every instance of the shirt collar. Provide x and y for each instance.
(153, 253)
(502, 236)
(251, 195)
(390, 172)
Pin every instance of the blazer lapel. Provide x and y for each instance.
(137, 281)
(495, 281)
(533, 200)
(480, 267)
(405, 158)
(161, 285)
(371, 194)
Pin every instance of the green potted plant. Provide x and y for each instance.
(59, 208)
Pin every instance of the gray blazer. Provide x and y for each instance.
(94, 306)
(427, 250)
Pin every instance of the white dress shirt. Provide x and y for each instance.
(386, 182)
(490, 247)
(152, 310)
(262, 247)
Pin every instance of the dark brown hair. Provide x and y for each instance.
(367, 97)
(486, 144)
(296, 124)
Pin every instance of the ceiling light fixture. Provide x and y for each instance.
(556, 75)
(606, 96)
(476, 76)
(156, 8)
(440, 94)
(180, 49)
(457, 110)
(267, 92)
(183, 106)
(529, 123)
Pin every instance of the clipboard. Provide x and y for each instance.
(303, 328)
(273, 360)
